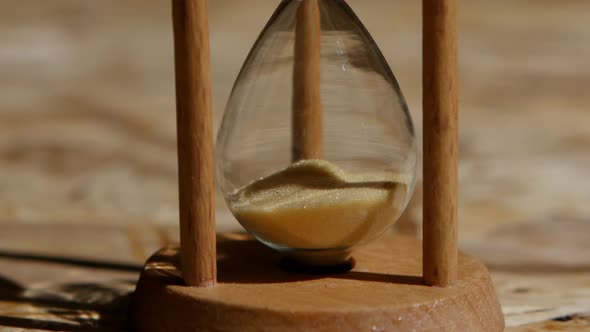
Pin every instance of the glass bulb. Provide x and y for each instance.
(317, 151)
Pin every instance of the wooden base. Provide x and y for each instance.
(383, 292)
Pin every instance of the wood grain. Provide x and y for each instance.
(307, 104)
(440, 123)
(383, 292)
(573, 323)
(195, 142)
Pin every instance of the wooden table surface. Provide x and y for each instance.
(88, 166)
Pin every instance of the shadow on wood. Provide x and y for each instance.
(67, 306)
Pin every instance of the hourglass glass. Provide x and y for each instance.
(316, 152)
(316, 158)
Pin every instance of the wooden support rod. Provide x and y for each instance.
(440, 126)
(307, 104)
(195, 142)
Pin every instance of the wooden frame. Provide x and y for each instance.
(411, 291)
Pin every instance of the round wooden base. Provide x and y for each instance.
(383, 292)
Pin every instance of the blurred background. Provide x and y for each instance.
(87, 130)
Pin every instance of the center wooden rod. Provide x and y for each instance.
(440, 126)
(307, 104)
(195, 142)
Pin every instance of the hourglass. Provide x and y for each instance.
(316, 153)
(316, 158)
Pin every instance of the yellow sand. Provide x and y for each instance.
(313, 204)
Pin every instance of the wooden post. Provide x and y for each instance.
(440, 89)
(307, 104)
(195, 142)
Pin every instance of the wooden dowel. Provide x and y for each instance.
(307, 105)
(440, 125)
(195, 142)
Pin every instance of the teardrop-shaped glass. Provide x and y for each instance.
(359, 174)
